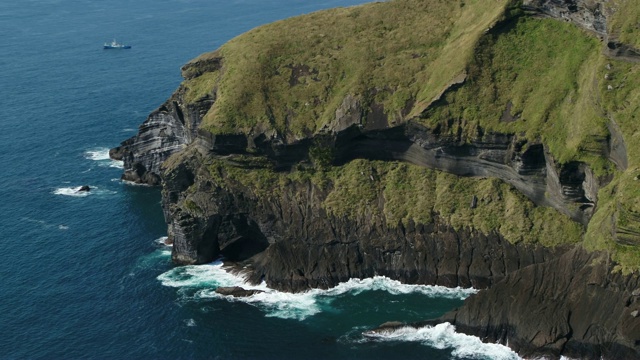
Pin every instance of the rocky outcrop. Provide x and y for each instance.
(166, 131)
(591, 15)
(619, 50)
(237, 291)
(574, 306)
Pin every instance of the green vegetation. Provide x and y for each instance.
(616, 224)
(192, 206)
(200, 87)
(400, 193)
(292, 75)
(625, 24)
(545, 71)
(544, 80)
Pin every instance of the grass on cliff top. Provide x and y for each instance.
(624, 25)
(292, 75)
(400, 193)
(543, 71)
(615, 226)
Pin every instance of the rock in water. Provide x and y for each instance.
(84, 188)
(389, 326)
(236, 291)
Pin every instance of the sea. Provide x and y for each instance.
(85, 275)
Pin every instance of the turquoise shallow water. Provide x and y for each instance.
(83, 276)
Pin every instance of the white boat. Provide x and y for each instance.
(115, 45)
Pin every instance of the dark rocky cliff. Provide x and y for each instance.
(491, 199)
(591, 313)
(282, 231)
(167, 130)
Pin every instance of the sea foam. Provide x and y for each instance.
(444, 336)
(97, 154)
(71, 191)
(163, 241)
(204, 279)
(102, 156)
(75, 191)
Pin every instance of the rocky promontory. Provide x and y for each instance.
(461, 143)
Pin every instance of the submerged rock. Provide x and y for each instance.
(389, 326)
(84, 188)
(237, 291)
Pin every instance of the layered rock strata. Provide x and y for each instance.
(289, 240)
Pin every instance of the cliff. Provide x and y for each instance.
(462, 143)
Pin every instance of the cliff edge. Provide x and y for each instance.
(458, 143)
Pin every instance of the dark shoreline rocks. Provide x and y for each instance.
(553, 309)
(575, 305)
(237, 291)
(572, 306)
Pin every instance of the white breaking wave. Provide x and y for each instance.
(206, 278)
(199, 276)
(72, 191)
(75, 191)
(102, 155)
(165, 253)
(444, 336)
(394, 287)
(97, 154)
(162, 241)
(45, 224)
(131, 183)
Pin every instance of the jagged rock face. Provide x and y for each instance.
(289, 240)
(588, 14)
(166, 131)
(528, 167)
(570, 188)
(574, 306)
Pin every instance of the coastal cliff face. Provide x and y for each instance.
(165, 132)
(592, 313)
(480, 152)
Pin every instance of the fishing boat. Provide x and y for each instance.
(115, 45)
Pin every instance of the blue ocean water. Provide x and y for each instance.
(84, 275)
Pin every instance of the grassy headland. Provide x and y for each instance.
(541, 79)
